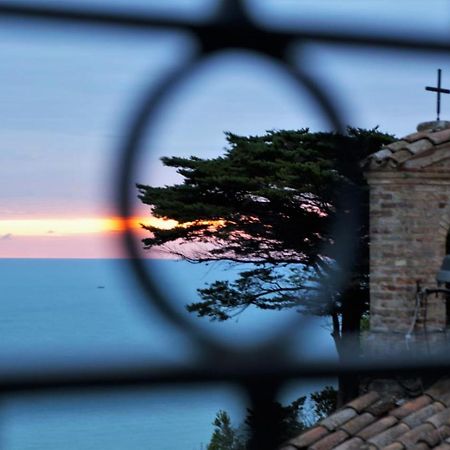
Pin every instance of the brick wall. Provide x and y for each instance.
(409, 221)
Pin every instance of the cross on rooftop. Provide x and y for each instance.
(439, 91)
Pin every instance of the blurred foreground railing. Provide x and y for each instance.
(260, 371)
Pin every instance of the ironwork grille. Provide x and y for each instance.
(231, 27)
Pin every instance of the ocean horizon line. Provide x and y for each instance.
(74, 258)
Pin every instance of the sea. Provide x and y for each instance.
(77, 314)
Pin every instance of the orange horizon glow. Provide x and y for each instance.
(57, 226)
(78, 237)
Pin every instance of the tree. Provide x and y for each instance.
(286, 421)
(325, 402)
(224, 436)
(289, 421)
(272, 201)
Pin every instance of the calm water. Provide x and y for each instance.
(83, 312)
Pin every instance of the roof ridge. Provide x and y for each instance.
(411, 146)
(374, 421)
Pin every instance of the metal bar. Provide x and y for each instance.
(142, 21)
(145, 376)
(261, 382)
(89, 16)
(438, 106)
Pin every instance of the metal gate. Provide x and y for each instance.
(231, 28)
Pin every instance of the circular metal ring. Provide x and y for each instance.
(131, 148)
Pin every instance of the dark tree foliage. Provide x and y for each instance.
(325, 402)
(288, 421)
(225, 437)
(272, 201)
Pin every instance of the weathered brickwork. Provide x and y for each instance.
(409, 222)
(409, 184)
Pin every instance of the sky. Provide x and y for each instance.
(67, 94)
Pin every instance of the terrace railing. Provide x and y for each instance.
(261, 371)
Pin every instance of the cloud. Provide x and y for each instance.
(6, 236)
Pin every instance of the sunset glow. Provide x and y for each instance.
(74, 226)
(77, 237)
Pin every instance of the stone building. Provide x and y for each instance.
(409, 183)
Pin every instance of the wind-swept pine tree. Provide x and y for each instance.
(272, 201)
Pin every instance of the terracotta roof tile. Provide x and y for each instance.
(401, 155)
(395, 146)
(309, 437)
(411, 406)
(435, 436)
(360, 403)
(382, 154)
(330, 441)
(338, 418)
(445, 399)
(418, 417)
(443, 446)
(420, 446)
(411, 437)
(377, 427)
(439, 137)
(374, 422)
(394, 446)
(420, 146)
(441, 418)
(416, 136)
(388, 436)
(439, 389)
(354, 443)
(414, 145)
(415, 148)
(381, 406)
(358, 423)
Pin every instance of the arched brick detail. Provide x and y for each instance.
(444, 225)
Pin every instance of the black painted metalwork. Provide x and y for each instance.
(261, 371)
(438, 91)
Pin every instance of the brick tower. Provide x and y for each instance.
(409, 183)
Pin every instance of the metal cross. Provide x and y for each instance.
(439, 90)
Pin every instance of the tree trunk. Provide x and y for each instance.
(346, 334)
